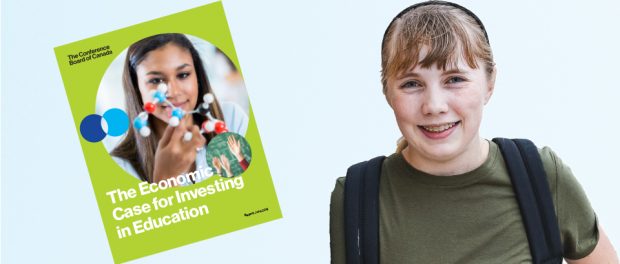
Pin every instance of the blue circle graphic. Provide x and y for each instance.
(118, 121)
(91, 129)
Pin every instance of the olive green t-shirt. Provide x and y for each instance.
(468, 218)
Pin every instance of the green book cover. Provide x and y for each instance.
(168, 133)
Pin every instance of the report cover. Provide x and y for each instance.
(168, 133)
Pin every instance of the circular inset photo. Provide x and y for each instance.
(162, 81)
(229, 154)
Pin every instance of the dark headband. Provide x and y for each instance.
(444, 3)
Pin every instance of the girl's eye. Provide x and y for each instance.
(410, 84)
(156, 80)
(455, 79)
(183, 75)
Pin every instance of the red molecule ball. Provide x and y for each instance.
(149, 107)
(220, 127)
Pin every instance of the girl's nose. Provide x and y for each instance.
(434, 102)
(173, 88)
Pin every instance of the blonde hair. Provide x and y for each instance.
(446, 30)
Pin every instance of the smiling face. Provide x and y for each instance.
(173, 66)
(439, 111)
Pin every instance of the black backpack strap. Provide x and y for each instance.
(361, 212)
(529, 182)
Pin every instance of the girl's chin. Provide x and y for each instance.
(440, 153)
(435, 152)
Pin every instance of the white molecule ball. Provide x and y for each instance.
(210, 126)
(143, 115)
(145, 131)
(162, 87)
(174, 121)
(187, 136)
(208, 98)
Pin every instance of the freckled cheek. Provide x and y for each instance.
(405, 111)
(471, 112)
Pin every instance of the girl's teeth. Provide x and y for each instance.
(438, 128)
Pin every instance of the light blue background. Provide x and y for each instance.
(312, 72)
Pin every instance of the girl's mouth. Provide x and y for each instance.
(180, 104)
(439, 131)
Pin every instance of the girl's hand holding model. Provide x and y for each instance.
(174, 155)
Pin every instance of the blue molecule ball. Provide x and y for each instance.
(178, 112)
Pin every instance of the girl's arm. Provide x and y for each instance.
(603, 252)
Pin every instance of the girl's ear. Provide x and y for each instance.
(490, 85)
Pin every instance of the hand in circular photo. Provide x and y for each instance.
(180, 92)
(229, 154)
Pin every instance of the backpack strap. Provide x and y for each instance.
(361, 212)
(529, 182)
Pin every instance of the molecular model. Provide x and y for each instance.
(159, 97)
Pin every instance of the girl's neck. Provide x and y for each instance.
(474, 156)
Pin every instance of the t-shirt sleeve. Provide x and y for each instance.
(336, 223)
(576, 218)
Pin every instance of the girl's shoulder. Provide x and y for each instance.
(576, 217)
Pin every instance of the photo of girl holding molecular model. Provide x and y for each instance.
(173, 109)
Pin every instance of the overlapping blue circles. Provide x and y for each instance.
(92, 128)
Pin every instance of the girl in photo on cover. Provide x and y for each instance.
(173, 60)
